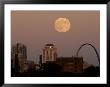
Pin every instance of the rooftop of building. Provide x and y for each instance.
(49, 45)
(19, 45)
(68, 59)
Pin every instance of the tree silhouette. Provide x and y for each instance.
(92, 71)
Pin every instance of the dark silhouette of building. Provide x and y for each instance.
(71, 64)
(50, 64)
(21, 51)
(40, 60)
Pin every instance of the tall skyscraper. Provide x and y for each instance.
(21, 52)
(49, 53)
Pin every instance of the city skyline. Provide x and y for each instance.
(36, 28)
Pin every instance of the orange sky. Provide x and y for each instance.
(36, 28)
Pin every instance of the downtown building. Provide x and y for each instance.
(49, 53)
(18, 56)
(69, 64)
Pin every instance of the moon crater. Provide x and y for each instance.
(62, 25)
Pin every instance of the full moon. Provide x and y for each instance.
(62, 25)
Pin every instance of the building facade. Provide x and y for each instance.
(19, 52)
(49, 53)
(71, 64)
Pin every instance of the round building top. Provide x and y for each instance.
(49, 45)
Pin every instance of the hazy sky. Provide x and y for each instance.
(36, 28)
